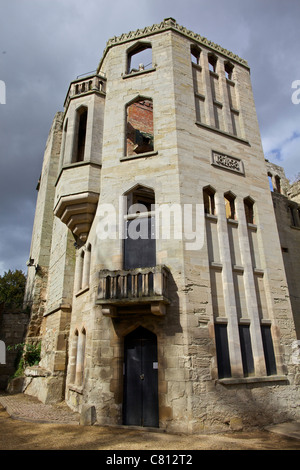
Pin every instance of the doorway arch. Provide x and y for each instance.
(140, 400)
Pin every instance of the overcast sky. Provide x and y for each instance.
(44, 44)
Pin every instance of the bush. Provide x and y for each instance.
(28, 355)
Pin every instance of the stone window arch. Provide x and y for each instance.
(229, 199)
(195, 54)
(212, 62)
(139, 126)
(228, 67)
(63, 143)
(139, 57)
(249, 210)
(139, 249)
(79, 142)
(209, 200)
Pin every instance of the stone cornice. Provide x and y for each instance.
(165, 25)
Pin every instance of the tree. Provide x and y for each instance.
(12, 288)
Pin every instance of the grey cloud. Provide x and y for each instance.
(46, 44)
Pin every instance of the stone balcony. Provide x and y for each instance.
(134, 291)
(94, 83)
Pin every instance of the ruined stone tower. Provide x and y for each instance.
(159, 290)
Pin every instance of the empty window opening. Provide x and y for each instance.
(270, 181)
(209, 201)
(80, 134)
(139, 132)
(212, 63)
(195, 55)
(63, 144)
(230, 206)
(228, 70)
(249, 210)
(140, 200)
(139, 58)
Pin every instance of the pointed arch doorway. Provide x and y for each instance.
(140, 401)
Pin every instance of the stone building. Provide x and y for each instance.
(286, 201)
(156, 277)
(13, 330)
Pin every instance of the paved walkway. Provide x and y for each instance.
(28, 408)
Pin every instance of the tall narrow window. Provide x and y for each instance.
(195, 55)
(230, 205)
(246, 350)
(63, 144)
(139, 129)
(80, 358)
(228, 70)
(139, 58)
(212, 63)
(139, 242)
(268, 350)
(73, 357)
(80, 134)
(223, 360)
(249, 210)
(209, 200)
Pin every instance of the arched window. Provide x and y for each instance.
(209, 200)
(80, 134)
(139, 127)
(249, 210)
(195, 55)
(139, 242)
(230, 205)
(139, 57)
(212, 62)
(228, 70)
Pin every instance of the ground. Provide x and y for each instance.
(22, 434)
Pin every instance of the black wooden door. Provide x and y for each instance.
(140, 379)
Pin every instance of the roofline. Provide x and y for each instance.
(166, 25)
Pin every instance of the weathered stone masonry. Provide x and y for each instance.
(160, 331)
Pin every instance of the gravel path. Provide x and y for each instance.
(45, 427)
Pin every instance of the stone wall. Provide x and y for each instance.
(234, 277)
(13, 328)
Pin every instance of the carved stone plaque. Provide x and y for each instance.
(229, 163)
